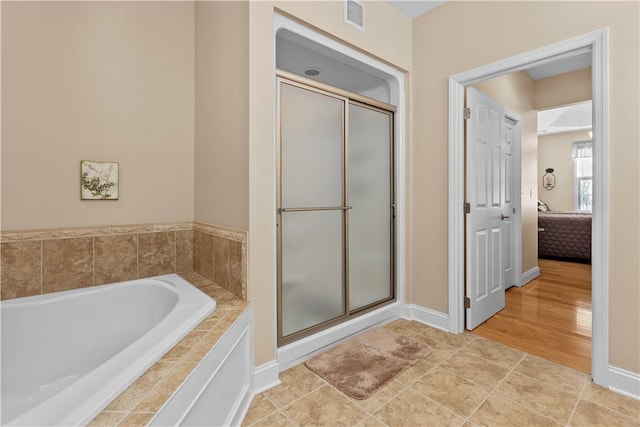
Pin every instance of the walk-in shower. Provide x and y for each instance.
(335, 193)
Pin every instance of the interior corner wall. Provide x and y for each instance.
(475, 35)
(564, 89)
(103, 81)
(516, 91)
(387, 37)
(222, 113)
(554, 151)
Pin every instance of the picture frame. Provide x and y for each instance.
(99, 180)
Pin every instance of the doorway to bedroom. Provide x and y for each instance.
(548, 311)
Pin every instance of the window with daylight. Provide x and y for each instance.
(583, 175)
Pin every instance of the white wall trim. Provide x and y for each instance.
(301, 350)
(529, 275)
(624, 382)
(600, 213)
(265, 377)
(429, 317)
(598, 43)
(456, 207)
(517, 200)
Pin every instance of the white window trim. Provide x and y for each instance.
(576, 185)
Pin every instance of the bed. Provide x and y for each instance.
(564, 236)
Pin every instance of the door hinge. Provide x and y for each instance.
(467, 113)
(467, 302)
(467, 207)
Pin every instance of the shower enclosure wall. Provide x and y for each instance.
(335, 206)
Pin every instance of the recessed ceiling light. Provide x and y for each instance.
(312, 71)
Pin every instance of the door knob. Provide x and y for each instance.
(503, 217)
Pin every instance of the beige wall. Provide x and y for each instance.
(563, 89)
(478, 33)
(554, 151)
(387, 36)
(108, 81)
(222, 113)
(516, 91)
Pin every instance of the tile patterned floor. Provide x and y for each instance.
(467, 380)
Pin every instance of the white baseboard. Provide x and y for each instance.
(301, 350)
(265, 377)
(624, 382)
(429, 317)
(528, 276)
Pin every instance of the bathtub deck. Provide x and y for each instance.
(139, 403)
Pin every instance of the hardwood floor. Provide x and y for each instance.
(549, 317)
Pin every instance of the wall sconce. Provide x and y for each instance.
(549, 179)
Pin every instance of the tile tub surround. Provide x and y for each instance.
(138, 404)
(34, 262)
(468, 380)
(220, 255)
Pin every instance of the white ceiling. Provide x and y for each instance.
(415, 8)
(565, 119)
(565, 65)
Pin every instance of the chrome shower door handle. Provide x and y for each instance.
(328, 208)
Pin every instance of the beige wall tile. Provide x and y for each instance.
(197, 249)
(115, 258)
(184, 251)
(221, 249)
(156, 253)
(206, 257)
(21, 269)
(235, 269)
(67, 264)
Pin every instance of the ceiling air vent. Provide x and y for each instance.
(354, 14)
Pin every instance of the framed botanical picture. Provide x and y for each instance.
(98, 180)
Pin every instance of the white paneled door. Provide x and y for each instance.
(488, 215)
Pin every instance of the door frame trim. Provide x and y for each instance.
(517, 201)
(598, 43)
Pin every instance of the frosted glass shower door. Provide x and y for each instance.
(312, 208)
(371, 195)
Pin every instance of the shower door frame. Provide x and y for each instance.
(284, 77)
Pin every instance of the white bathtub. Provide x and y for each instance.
(66, 355)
